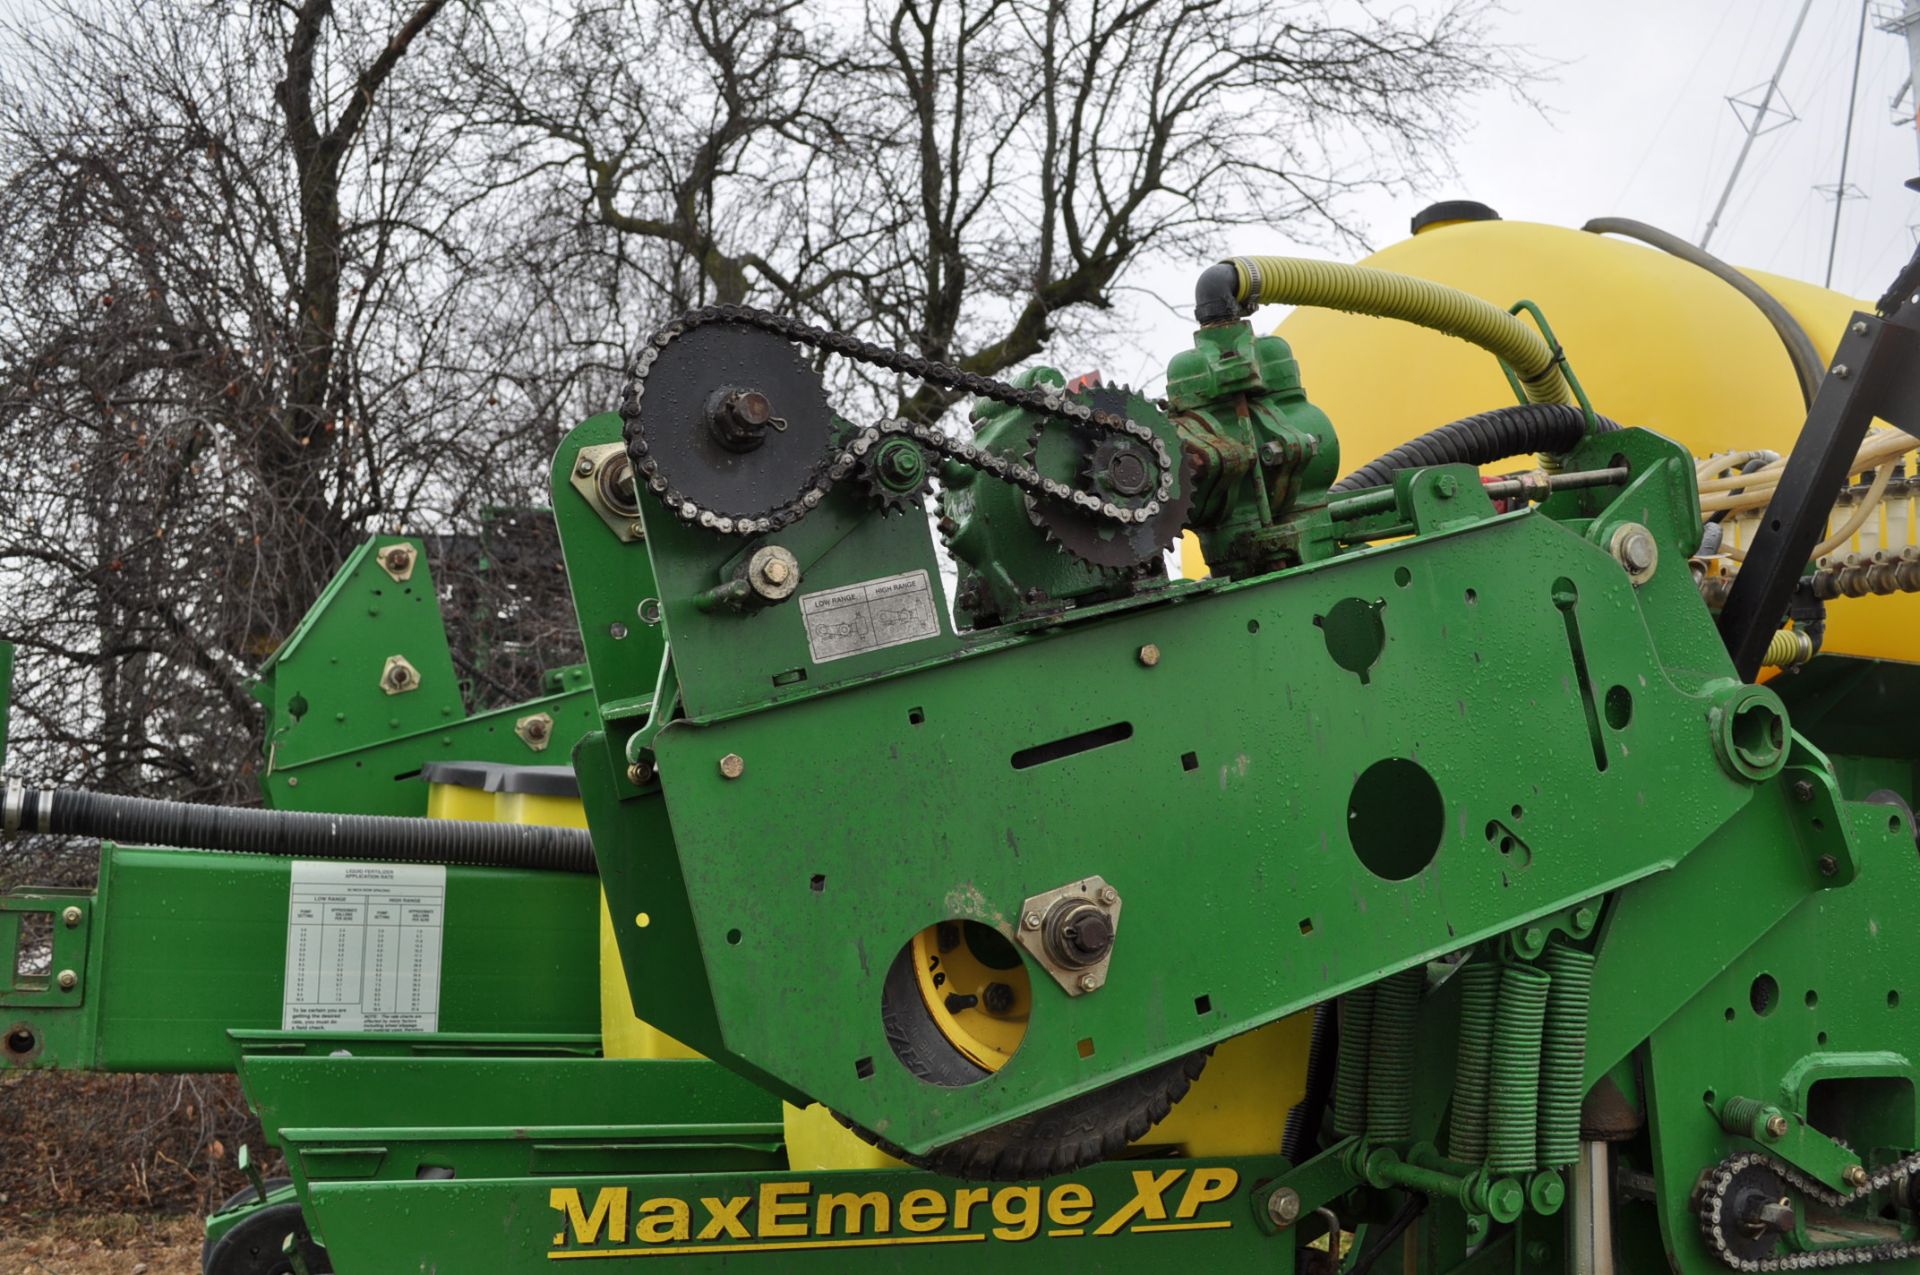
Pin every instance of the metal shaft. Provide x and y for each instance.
(1590, 1220)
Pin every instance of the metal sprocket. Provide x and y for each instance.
(1093, 457)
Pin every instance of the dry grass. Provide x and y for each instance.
(103, 1244)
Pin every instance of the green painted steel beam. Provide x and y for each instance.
(173, 949)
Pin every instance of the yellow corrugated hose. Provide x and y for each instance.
(1384, 294)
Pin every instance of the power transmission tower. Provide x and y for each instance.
(1758, 121)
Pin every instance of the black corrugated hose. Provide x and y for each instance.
(142, 821)
(1481, 440)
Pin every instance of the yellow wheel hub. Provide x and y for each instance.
(975, 989)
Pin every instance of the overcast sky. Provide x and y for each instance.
(1638, 125)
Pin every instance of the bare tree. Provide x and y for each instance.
(239, 334)
(960, 177)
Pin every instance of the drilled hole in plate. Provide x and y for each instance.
(1764, 994)
(1203, 1004)
(818, 882)
(1619, 707)
(1086, 1047)
(1395, 818)
(1402, 577)
(1072, 745)
(1189, 761)
(1306, 925)
(863, 1067)
(1893, 1000)
(21, 1042)
(733, 937)
(916, 716)
(1813, 998)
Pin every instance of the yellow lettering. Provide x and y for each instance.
(725, 1215)
(922, 1211)
(1147, 1202)
(1070, 1205)
(609, 1210)
(1019, 1224)
(774, 1208)
(855, 1207)
(963, 1202)
(1206, 1186)
(663, 1219)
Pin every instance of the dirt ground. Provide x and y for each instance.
(104, 1244)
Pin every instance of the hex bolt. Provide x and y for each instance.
(640, 774)
(732, 766)
(1859, 328)
(997, 997)
(1802, 790)
(1635, 548)
(1776, 1126)
(71, 916)
(1828, 865)
(1088, 982)
(636, 530)
(1149, 655)
(1283, 1207)
(776, 571)
(1031, 920)
(1538, 1252)
(1841, 371)
(585, 467)
(1107, 895)
(68, 980)
(1856, 1176)
(1446, 487)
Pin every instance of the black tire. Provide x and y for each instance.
(255, 1245)
(1059, 1139)
(245, 1195)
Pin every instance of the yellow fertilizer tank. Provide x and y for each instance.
(1655, 340)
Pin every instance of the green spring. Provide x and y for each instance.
(1396, 1008)
(1513, 1074)
(1467, 1128)
(1350, 1065)
(1563, 1054)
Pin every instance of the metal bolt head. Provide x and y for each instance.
(640, 774)
(773, 573)
(1841, 371)
(1446, 487)
(1776, 1126)
(1107, 895)
(585, 467)
(68, 980)
(1149, 655)
(635, 529)
(1635, 548)
(1828, 865)
(397, 561)
(1802, 790)
(1859, 328)
(1856, 1176)
(535, 731)
(732, 766)
(398, 675)
(1283, 1207)
(72, 917)
(1088, 982)
(1583, 919)
(1031, 920)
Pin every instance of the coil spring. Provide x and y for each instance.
(1467, 1128)
(1513, 1077)
(1350, 1068)
(1396, 1006)
(1563, 1053)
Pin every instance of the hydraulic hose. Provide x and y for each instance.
(141, 821)
(1386, 295)
(1808, 367)
(1549, 428)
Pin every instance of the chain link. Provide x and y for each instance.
(1713, 1205)
(836, 466)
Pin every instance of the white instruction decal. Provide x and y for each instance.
(363, 947)
(869, 616)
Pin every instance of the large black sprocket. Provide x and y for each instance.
(673, 413)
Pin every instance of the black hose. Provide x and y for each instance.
(141, 821)
(1481, 440)
(1302, 1133)
(1808, 366)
